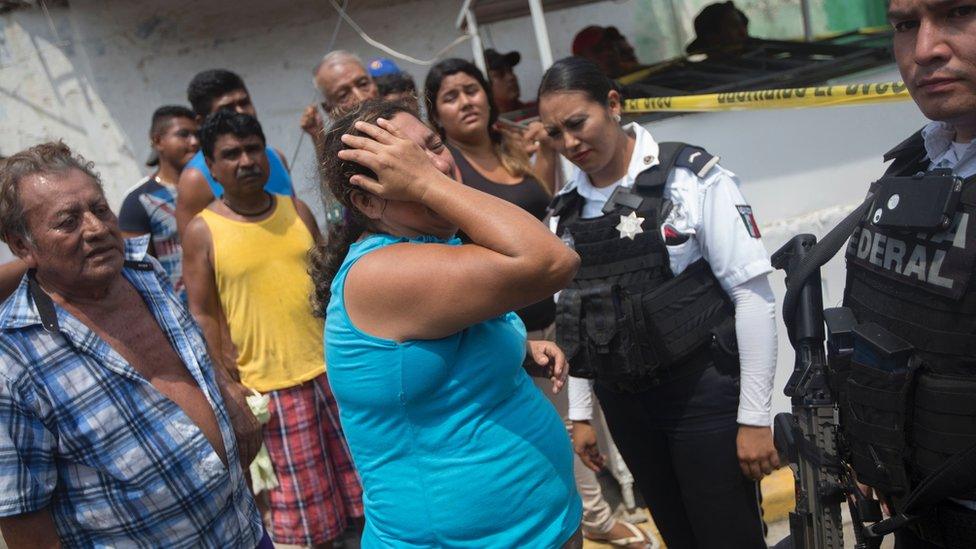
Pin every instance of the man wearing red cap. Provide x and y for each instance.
(606, 48)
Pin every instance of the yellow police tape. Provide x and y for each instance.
(785, 98)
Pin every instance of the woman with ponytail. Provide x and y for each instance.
(454, 444)
(670, 318)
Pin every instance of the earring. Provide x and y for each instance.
(616, 117)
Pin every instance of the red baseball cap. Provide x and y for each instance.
(588, 38)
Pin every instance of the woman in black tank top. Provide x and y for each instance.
(462, 110)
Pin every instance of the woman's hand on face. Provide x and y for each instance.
(403, 169)
(548, 355)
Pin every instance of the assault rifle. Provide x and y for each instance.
(808, 437)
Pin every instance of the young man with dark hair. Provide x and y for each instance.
(504, 83)
(150, 206)
(208, 92)
(246, 273)
(721, 29)
(398, 86)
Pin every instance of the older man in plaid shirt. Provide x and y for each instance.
(115, 429)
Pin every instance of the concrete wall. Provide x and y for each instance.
(111, 62)
(118, 60)
(96, 78)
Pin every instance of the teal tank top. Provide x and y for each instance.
(454, 444)
(279, 182)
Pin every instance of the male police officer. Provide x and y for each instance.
(908, 405)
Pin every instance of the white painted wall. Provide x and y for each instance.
(118, 60)
(121, 59)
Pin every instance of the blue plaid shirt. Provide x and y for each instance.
(85, 435)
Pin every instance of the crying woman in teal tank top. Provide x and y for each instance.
(454, 444)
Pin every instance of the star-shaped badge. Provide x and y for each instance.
(630, 225)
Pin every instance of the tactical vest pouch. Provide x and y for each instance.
(944, 419)
(569, 328)
(948, 525)
(922, 202)
(684, 313)
(878, 398)
(840, 323)
(603, 326)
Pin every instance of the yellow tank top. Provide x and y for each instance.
(262, 278)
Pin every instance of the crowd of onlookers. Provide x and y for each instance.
(146, 432)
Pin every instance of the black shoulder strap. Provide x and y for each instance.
(43, 302)
(908, 157)
(969, 191)
(139, 265)
(566, 206)
(820, 253)
(45, 305)
(696, 159)
(955, 477)
(671, 155)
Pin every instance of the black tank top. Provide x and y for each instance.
(531, 197)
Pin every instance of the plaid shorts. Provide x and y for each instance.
(319, 489)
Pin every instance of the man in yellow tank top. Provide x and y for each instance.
(246, 275)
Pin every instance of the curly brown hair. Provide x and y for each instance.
(53, 157)
(335, 173)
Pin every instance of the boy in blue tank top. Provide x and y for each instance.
(208, 92)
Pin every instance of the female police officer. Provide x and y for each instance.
(670, 314)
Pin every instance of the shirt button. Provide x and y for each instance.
(648, 159)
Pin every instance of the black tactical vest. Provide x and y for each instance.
(626, 320)
(908, 408)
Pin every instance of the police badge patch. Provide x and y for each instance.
(745, 212)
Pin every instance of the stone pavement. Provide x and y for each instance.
(777, 490)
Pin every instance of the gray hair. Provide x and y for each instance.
(53, 157)
(335, 57)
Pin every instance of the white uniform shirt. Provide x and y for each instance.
(706, 209)
(715, 216)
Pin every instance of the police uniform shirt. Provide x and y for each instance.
(945, 153)
(709, 219)
(710, 211)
